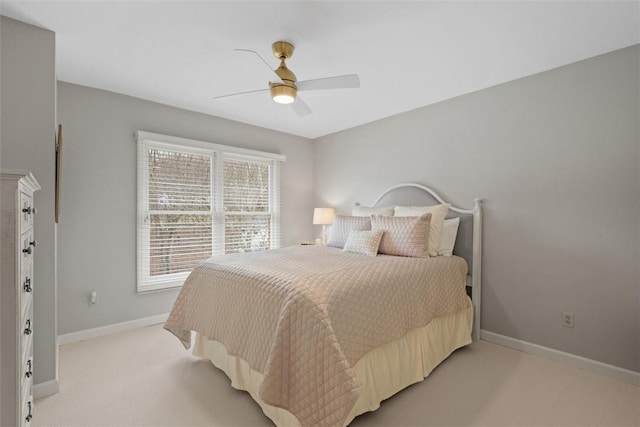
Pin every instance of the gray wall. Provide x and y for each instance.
(555, 156)
(97, 229)
(28, 85)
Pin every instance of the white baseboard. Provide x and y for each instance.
(621, 374)
(111, 329)
(45, 389)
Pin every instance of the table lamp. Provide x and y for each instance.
(324, 217)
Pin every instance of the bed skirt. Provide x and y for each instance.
(383, 371)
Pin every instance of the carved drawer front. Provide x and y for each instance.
(27, 246)
(27, 372)
(26, 331)
(26, 285)
(27, 407)
(27, 212)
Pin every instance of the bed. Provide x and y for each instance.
(317, 334)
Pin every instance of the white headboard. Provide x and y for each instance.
(468, 241)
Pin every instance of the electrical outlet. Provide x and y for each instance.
(568, 319)
(93, 298)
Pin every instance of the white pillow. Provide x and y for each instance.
(449, 233)
(363, 242)
(438, 213)
(368, 211)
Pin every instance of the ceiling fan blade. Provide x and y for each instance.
(336, 82)
(278, 79)
(300, 107)
(240, 93)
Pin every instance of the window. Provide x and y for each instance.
(196, 200)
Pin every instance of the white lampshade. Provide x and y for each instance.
(324, 216)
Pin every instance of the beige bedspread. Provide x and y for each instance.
(304, 315)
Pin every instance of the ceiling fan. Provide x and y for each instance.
(285, 87)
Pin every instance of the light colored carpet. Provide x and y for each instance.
(146, 378)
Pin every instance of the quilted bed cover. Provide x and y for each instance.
(304, 315)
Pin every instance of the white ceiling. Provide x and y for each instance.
(407, 54)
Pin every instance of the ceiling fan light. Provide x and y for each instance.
(284, 99)
(283, 94)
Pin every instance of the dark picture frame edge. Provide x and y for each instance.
(58, 166)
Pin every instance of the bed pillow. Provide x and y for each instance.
(365, 242)
(403, 236)
(449, 233)
(438, 213)
(368, 211)
(342, 225)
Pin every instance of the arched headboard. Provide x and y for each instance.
(468, 241)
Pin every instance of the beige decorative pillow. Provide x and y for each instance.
(342, 226)
(403, 236)
(368, 211)
(363, 242)
(438, 214)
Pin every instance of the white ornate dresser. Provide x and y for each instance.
(16, 297)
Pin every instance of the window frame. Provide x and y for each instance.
(218, 153)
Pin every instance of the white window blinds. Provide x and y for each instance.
(251, 208)
(196, 200)
(179, 210)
